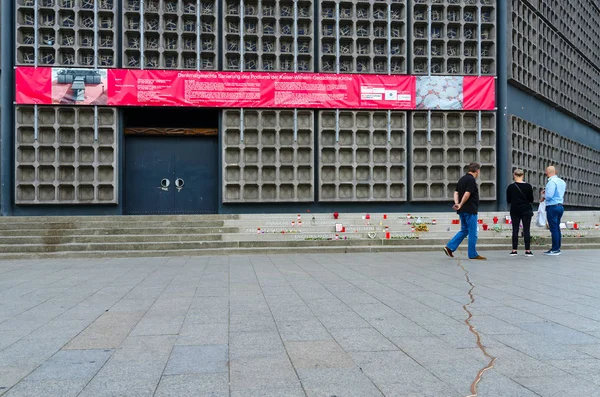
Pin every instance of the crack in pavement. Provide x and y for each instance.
(474, 331)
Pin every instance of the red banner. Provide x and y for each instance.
(133, 87)
(476, 93)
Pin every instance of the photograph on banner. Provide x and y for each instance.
(79, 86)
(440, 92)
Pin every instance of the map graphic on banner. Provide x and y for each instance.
(133, 87)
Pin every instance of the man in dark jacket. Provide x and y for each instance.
(466, 203)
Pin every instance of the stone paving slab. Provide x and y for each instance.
(386, 324)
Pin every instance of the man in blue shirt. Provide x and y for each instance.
(554, 195)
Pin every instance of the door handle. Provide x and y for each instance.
(164, 184)
(179, 184)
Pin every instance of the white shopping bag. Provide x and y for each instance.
(540, 219)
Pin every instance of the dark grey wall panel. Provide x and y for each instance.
(535, 110)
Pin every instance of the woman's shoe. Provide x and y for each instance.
(528, 253)
(513, 253)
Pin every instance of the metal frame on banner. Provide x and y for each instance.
(429, 20)
(479, 67)
(389, 64)
(35, 64)
(295, 29)
(142, 42)
(242, 13)
(96, 35)
(198, 34)
(337, 64)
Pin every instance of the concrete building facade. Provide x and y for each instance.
(62, 159)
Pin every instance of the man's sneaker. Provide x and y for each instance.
(552, 253)
(479, 258)
(448, 252)
(513, 253)
(528, 253)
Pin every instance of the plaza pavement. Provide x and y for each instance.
(360, 325)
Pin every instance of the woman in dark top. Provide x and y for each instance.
(520, 196)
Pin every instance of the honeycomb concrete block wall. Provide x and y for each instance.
(362, 38)
(454, 37)
(523, 45)
(546, 64)
(266, 35)
(577, 20)
(534, 148)
(441, 158)
(367, 161)
(170, 34)
(267, 160)
(69, 33)
(65, 164)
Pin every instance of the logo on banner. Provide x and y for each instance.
(391, 95)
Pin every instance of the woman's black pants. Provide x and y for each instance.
(517, 218)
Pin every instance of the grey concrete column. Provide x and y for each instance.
(502, 134)
(6, 104)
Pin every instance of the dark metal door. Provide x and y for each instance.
(149, 161)
(171, 175)
(196, 175)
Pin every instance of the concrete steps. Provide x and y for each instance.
(164, 245)
(111, 231)
(114, 238)
(109, 225)
(119, 218)
(146, 236)
(268, 251)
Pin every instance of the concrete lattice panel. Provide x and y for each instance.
(170, 34)
(439, 160)
(453, 37)
(69, 33)
(533, 148)
(367, 161)
(266, 160)
(545, 64)
(577, 20)
(370, 35)
(266, 36)
(65, 164)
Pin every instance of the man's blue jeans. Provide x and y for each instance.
(554, 214)
(468, 223)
